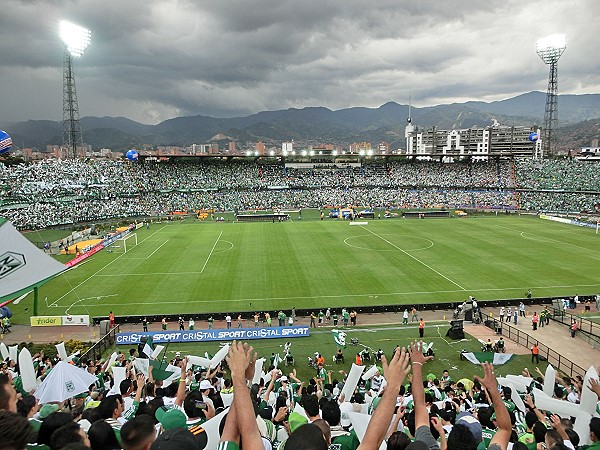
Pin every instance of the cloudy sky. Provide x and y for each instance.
(152, 60)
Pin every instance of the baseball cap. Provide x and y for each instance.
(205, 384)
(176, 439)
(47, 409)
(177, 354)
(170, 418)
(469, 420)
(283, 379)
(296, 420)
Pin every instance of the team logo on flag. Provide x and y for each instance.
(69, 386)
(339, 337)
(11, 262)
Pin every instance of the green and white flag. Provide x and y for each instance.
(277, 360)
(339, 338)
(496, 359)
(23, 266)
(148, 346)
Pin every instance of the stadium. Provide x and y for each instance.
(196, 252)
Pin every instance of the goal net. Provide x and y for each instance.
(124, 244)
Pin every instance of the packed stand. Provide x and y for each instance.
(50, 193)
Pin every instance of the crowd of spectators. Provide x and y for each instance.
(408, 409)
(54, 192)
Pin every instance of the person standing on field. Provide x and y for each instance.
(181, 322)
(405, 317)
(573, 328)
(164, 324)
(228, 320)
(414, 317)
(535, 353)
(421, 327)
(111, 320)
(191, 323)
(535, 320)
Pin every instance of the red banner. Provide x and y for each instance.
(90, 252)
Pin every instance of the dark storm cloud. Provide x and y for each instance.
(154, 60)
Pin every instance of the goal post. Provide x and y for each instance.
(126, 242)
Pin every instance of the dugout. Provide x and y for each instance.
(424, 214)
(277, 217)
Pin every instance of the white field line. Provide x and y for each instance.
(159, 247)
(96, 273)
(211, 252)
(524, 234)
(414, 258)
(326, 297)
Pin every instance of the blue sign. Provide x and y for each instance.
(221, 334)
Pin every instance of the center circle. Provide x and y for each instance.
(412, 244)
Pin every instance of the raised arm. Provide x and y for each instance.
(417, 360)
(395, 373)
(240, 358)
(182, 383)
(502, 436)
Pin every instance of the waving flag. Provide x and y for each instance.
(23, 266)
(339, 338)
(496, 359)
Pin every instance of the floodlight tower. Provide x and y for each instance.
(76, 40)
(550, 49)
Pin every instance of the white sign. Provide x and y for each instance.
(76, 320)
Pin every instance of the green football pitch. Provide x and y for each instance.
(199, 267)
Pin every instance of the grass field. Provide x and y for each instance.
(376, 337)
(192, 267)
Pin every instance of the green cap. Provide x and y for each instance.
(47, 409)
(170, 418)
(296, 420)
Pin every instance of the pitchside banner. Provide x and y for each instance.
(222, 334)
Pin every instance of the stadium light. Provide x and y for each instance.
(75, 38)
(550, 49)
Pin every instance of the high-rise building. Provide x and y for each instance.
(477, 143)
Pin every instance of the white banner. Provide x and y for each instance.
(76, 320)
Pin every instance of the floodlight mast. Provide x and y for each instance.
(550, 49)
(76, 40)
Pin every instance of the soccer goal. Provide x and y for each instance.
(122, 245)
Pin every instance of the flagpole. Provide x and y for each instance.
(165, 353)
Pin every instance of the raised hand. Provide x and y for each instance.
(415, 350)
(239, 358)
(489, 379)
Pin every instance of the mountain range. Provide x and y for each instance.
(579, 117)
